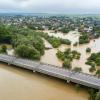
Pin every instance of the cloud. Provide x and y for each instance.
(50, 5)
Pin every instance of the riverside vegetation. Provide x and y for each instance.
(67, 57)
(28, 43)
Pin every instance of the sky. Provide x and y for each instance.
(50, 6)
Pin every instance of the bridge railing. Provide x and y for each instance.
(41, 63)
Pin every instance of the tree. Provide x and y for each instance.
(97, 61)
(88, 50)
(30, 39)
(98, 73)
(92, 69)
(77, 87)
(60, 55)
(27, 52)
(95, 58)
(67, 64)
(55, 42)
(5, 36)
(92, 93)
(65, 30)
(65, 41)
(77, 69)
(97, 96)
(3, 48)
(75, 44)
(84, 39)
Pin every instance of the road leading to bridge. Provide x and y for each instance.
(76, 77)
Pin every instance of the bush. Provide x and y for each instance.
(27, 52)
(97, 61)
(75, 44)
(67, 57)
(76, 55)
(77, 69)
(30, 39)
(67, 64)
(66, 41)
(92, 93)
(84, 39)
(3, 49)
(92, 64)
(97, 96)
(77, 87)
(95, 58)
(60, 55)
(98, 73)
(55, 42)
(65, 30)
(88, 50)
(92, 69)
(5, 36)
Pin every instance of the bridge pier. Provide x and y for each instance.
(8, 63)
(67, 75)
(34, 71)
(68, 81)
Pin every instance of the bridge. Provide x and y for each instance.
(75, 77)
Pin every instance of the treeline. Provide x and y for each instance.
(28, 45)
(5, 35)
(94, 94)
(54, 41)
(35, 26)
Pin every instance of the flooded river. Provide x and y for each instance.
(20, 84)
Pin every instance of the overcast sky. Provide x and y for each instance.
(50, 6)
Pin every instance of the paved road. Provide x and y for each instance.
(76, 77)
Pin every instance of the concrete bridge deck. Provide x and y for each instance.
(76, 77)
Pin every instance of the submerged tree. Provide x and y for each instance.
(97, 96)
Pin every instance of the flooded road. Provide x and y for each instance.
(20, 84)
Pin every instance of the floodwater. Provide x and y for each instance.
(50, 55)
(20, 84)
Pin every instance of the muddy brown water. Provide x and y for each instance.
(20, 84)
(50, 55)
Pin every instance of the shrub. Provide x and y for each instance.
(92, 69)
(27, 52)
(60, 55)
(67, 64)
(66, 41)
(98, 73)
(88, 50)
(77, 87)
(3, 49)
(84, 39)
(77, 69)
(75, 44)
(97, 96)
